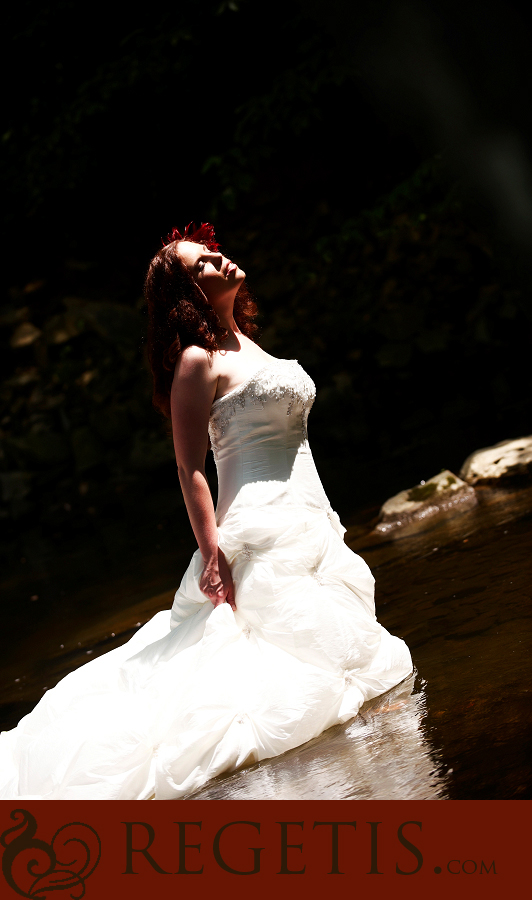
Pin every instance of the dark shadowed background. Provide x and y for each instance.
(367, 164)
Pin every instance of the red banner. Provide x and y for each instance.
(141, 850)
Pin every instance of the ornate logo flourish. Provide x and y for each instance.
(33, 868)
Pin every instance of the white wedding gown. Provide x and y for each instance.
(199, 691)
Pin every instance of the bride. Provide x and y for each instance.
(272, 636)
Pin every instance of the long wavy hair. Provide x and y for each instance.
(179, 315)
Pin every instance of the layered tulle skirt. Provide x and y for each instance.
(200, 691)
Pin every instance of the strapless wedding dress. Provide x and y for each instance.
(199, 691)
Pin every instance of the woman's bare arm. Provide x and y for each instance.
(193, 392)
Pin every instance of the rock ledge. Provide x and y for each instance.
(441, 493)
(504, 460)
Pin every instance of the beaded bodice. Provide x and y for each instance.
(278, 380)
(258, 436)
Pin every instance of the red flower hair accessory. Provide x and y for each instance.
(202, 235)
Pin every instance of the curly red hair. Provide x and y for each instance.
(179, 315)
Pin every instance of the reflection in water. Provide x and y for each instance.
(382, 754)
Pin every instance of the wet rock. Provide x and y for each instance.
(24, 376)
(33, 286)
(86, 377)
(503, 460)
(63, 327)
(12, 315)
(24, 335)
(442, 493)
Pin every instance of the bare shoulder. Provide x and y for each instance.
(193, 360)
(195, 365)
(195, 381)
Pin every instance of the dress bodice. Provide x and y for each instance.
(258, 435)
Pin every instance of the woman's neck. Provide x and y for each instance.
(224, 311)
(228, 322)
(233, 340)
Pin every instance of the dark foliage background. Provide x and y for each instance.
(335, 151)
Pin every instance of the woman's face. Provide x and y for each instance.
(216, 275)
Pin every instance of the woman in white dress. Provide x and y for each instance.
(272, 636)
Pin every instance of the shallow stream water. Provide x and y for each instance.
(457, 589)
